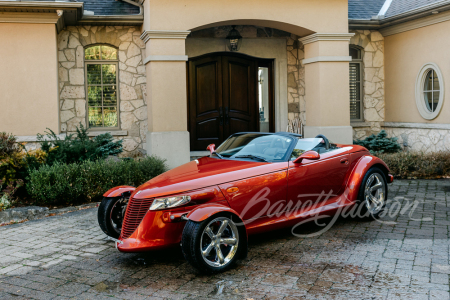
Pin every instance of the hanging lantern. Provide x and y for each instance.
(234, 39)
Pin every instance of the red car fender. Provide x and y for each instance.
(203, 212)
(358, 172)
(118, 191)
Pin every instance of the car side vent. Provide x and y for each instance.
(136, 210)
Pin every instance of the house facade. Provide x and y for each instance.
(169, 78)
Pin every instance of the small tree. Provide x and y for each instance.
(380, 143)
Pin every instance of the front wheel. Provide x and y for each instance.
(211, 246)
(373, 193)
(110, 215)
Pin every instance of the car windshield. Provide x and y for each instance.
(258, 147)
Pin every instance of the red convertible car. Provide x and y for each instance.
(252, 183)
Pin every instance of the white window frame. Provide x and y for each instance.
(359, 62)
(101, 62)
(420, 99)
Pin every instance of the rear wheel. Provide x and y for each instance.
(373, 193)
(110, 215)
(211, 246)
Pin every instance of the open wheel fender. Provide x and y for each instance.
(356, 177)
(119, 191)
(206, 211)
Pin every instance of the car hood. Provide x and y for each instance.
(203, 172)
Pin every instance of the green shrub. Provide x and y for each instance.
(417, 164)
(76, 148)
(8, 145)
(6, 193)
(15, 161)
(87, 181)
(380, 143)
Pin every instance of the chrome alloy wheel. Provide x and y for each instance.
(374, 193)
(219, 242)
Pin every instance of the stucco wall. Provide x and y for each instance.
(406, 53)
(28, 78)
(290, 15)
(132, 79)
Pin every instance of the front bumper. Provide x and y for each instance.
(156, 231)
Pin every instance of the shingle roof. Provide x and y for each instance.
(364, 9)
(401, 6)
(110, 7)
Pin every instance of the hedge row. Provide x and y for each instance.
(417, 164)
(87, 181)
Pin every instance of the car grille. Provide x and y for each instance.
(136, 210)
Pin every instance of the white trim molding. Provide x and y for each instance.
(164, 34)
(416, 125)
(165, 58)
(326, 59)
(420, 101)
(33, 138)
(415, 24)
(42, 4)
(326, 37)
(29, 17)
(112, 132)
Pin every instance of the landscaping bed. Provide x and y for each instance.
(65, 172)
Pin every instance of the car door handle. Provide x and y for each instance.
(344, 161)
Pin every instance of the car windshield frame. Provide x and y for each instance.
(258, 157)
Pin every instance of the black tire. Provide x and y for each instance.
(105, 215)
(364, 212)
(192, 239)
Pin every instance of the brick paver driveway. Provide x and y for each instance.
(69, 257)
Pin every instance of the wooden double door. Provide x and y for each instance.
(223, 97)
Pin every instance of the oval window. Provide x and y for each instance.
(429, 91)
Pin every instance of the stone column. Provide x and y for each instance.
(327, 86)
(165, 62)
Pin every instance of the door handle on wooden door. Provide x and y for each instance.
(227, 118)
(220, 116)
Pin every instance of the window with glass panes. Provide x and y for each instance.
(101, 88)
(431, 90)
(355, 85)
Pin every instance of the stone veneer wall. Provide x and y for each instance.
(296, 80)
(372, 44)
(132, 80)
(421, 139)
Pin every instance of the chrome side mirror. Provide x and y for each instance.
(311, 155)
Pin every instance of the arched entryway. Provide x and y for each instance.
(321, 26)
(228, 93)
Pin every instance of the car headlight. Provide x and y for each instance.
(169, 202)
